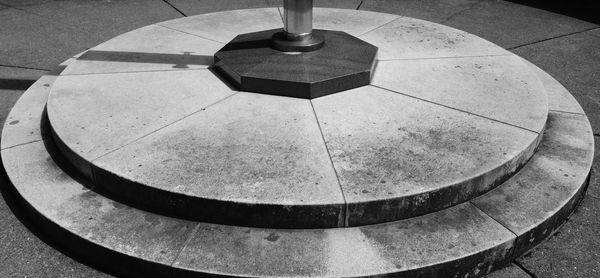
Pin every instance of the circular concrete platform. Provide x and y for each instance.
(430, 132)
(444, 150)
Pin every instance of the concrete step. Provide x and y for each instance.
(448, 117)
(470, 239)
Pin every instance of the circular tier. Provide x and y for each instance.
(447, 117)
(467, 240)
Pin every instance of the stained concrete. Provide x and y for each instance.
(149, 48)
(126, 106)
(409, 38)
(532, 201)
(397, 156)
(575, 62)
(501, 88)
(352, 22)
(341, 4)
(252, 159)
(220, 26)
(381, 249)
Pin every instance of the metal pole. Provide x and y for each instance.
(297, 35)
(298, 19)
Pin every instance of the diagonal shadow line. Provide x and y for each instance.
(15, 84)
(177, 60)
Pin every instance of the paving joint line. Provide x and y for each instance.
(158, 24)
(398, 17)
(557, 37)
(163, 127)
(456, 109)
(185, 243)
(135, 71)
(519, 265)
(345, 211)
(175, 8)
(446, 57)
(360, 4)
(22, 67)
(566, 112)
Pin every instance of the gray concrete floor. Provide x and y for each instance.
(36, 35)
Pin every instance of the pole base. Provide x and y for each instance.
(281, 42)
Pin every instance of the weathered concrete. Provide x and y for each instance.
(341, 4)
(118, 113)
(252, 159)
(224, 26)
(397, 156)
(575, 61)
(501, 88)
(409, 38)
(352, 22)
(149, 48)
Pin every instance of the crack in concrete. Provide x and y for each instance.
(556, 37)
(175, 8)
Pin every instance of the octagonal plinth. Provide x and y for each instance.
(343, 63)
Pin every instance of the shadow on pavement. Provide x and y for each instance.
(586, 10)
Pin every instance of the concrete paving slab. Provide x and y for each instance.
(430, 10)
(341, 4)
(102, 20)
(491, 20)
(371, 250)
(397, 156)
(502, 88)
(13, 81)
(7, 99)
(572, 251)
(409, 38)
(194, 7)
(511, 271)
(33, 41)
(222, 28)
(62, 201)
(534, 201)
(575, 62)
(127, 106)
(149, 48)
(252, 159)
(352, 22)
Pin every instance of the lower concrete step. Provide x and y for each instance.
(467, 240)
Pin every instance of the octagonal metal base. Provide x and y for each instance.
(344, 62)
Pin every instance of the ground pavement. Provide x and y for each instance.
(36, 35)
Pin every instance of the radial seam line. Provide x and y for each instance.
(189, 33)
(399, 16)
(456, 109)
(345, 211)
(360, 4)
(22, 67)
(557, 37)
(134, 71)
(447, 57)
(187, 241)
(163, 127)
(491, 217)
(561, 111)
(21, 144)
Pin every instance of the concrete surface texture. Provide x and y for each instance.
(566, 48)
